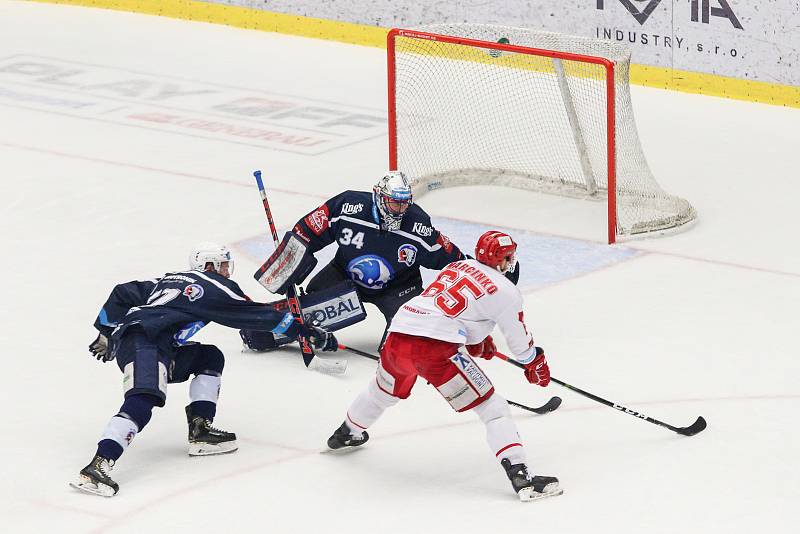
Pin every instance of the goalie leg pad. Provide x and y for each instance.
(334, 308)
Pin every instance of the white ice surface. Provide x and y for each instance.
(700, 323)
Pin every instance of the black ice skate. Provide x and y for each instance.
(94, 478)
(342, 439)
(530, 488)
(205, 440)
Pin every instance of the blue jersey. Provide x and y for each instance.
(375, 258)
(171, 309)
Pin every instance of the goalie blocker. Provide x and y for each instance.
(332, 309)
(289, 265)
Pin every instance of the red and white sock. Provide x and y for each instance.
(368, 407)
(501, 431)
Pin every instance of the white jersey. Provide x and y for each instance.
(463, 305)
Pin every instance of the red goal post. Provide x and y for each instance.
(477, 104)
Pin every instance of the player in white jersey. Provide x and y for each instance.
(435, 335)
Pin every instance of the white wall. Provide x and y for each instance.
(751, 40)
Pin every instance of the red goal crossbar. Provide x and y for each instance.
(610, 98)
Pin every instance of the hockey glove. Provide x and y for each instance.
(320, 338)
(538, 372)
(485, 349)
(99, 349)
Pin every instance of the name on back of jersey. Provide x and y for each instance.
(484, 281)
(177, 278)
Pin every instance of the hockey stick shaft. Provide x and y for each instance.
(291, 293)
(550, 406)
(698, 426)
(359, 352)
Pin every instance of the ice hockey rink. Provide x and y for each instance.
(99, 186)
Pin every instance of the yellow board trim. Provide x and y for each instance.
(714, 85)
(360, 34)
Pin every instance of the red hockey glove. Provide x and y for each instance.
(537, 372)
(485, 349)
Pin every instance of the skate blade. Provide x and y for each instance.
(210, 449)
(530, 494)
(87, 486)
(341, 450)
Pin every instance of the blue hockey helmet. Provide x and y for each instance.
(393, 196)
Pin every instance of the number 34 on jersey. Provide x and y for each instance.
(347, 237)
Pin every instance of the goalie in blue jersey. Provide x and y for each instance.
(383, 240)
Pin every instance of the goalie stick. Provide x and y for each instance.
(330, 366)
(698, 426)
(547, 407)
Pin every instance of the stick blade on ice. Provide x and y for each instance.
(695, 428)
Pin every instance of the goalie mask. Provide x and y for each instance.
(392, 196)
(208, 252)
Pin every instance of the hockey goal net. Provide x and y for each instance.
(482, 104)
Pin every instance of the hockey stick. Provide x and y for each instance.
(698, 426)
(547, 407)
(333, 367)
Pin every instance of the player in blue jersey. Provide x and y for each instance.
(383, 239)
(146, 327)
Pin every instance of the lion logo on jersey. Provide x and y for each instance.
(407, 254)
(370, 271)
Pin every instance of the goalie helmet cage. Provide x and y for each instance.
(483, 104)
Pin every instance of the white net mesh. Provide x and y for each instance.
(468, 115)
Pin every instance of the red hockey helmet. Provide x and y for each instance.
(493, 247)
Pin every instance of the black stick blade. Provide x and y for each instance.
(695, 428)
(545, 408)
(549, 406)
